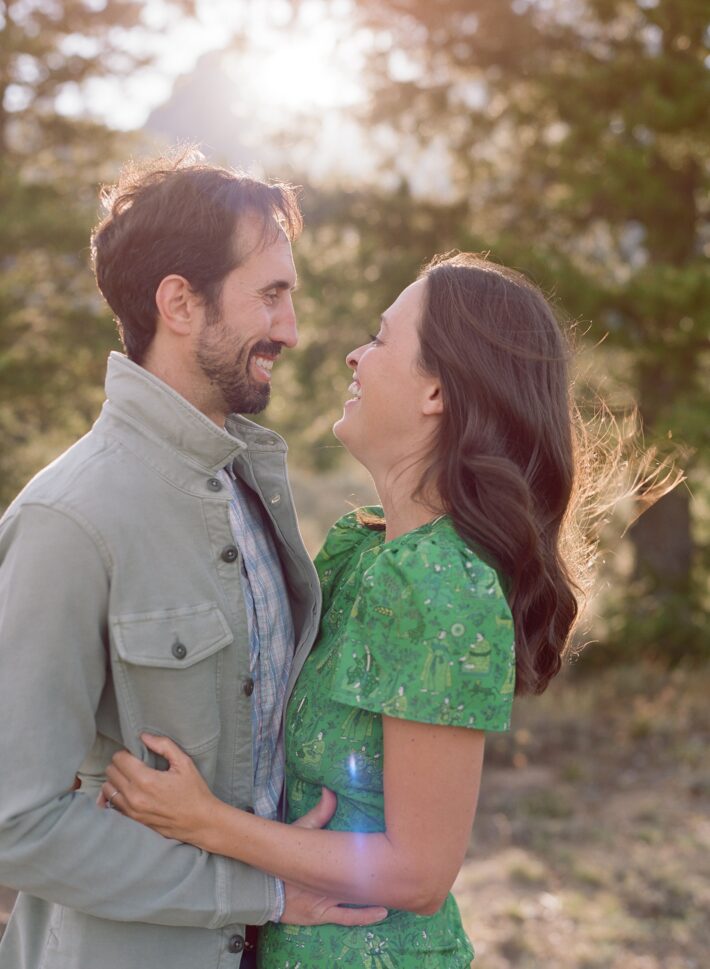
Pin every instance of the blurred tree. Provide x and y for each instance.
(577, 133)
(54, 331)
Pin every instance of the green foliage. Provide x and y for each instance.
(54, 330)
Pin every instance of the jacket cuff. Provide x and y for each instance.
(280, 903)
(244, 895)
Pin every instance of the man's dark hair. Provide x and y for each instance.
(178, 214)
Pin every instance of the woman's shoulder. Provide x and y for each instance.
(430, 636)
(436, 556)
(347, 535)
(350, 530)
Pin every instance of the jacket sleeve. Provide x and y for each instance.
(55, 843)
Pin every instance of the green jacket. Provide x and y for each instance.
(121, 610)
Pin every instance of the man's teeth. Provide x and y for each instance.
(264, 363)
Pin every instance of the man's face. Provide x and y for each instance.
(256, 319)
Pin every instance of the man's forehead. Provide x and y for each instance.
(254, 234)
(268, 263)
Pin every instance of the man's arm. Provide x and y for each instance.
(56, 843)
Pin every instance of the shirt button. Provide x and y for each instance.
(248, 686)
(179, 650)
(236, 943)
(214, 484)
(229, 553)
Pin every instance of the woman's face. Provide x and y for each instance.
(389, 416)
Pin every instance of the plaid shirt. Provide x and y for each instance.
(271, 624)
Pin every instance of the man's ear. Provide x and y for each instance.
(177, 305)
(433, 401)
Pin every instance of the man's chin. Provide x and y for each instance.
(254, 404)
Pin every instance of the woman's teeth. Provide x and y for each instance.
(355, 390)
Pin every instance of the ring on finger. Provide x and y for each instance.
(110, 800)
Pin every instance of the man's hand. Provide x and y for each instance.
(304, 907)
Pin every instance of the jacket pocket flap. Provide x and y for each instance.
(171, 638)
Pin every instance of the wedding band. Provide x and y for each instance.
(110, 800)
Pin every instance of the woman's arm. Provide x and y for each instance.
(431, 781)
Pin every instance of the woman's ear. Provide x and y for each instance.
(433, 399)
(176, 304)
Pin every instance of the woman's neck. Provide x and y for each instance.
(403, 513)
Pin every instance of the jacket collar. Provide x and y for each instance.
(159, 414)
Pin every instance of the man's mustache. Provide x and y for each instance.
(266, 348)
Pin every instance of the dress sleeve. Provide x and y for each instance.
(429, 638)
(341, 542)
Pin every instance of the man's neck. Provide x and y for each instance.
(178, 378)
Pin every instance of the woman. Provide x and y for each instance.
(437, 608)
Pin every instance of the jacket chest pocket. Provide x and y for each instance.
(168, 672)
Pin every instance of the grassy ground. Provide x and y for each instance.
(591, 847)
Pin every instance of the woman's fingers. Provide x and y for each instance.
(129, 784)
(166, 748)
(166, 800)
(109, 797)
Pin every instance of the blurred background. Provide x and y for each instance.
(568, 138)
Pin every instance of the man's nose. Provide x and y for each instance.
(284, 329)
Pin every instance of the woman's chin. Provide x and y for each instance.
(342, 432)
(339, 431)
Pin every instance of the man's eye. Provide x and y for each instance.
(272, 295)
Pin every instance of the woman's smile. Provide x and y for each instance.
(355, 390)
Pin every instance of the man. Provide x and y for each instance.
(153, 579)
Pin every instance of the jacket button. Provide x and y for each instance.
(236, 943)
(214, 484)
(229, 553)
(179, 650)
(248, 686)
(275, 499)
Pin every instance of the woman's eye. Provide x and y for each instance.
(374, 338)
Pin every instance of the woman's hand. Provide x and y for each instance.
(177, 803)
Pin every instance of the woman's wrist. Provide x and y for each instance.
(206, 825)
(216, 819)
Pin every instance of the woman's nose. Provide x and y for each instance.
(353, 357)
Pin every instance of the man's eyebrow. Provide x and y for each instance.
(281, 284)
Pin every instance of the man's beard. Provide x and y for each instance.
(241, 393)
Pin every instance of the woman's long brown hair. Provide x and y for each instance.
(503, 462)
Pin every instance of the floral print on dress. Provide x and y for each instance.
(416, 628)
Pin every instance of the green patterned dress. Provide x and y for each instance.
(416, 628)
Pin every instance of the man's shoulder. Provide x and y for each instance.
(68, 478)
(86, 482)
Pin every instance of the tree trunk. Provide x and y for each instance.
(663, 544)
(663, 536)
